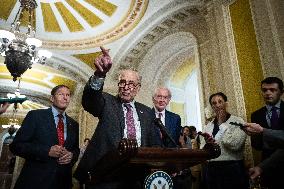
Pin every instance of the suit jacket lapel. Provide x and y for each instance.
(263, 117)
(167, 120)
(51, 126)
(282, 114)
(141, 117)
(69, 131)
(120, 115)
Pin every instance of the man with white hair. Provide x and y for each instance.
(170, 120)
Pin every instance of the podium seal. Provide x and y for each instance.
(158, 180)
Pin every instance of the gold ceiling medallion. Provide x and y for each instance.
(135, 13)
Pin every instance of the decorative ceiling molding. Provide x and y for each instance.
(178, 21)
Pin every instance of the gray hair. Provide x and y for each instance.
(159, 88)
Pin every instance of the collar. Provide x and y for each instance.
(132, 103)
(277, 105)
(162, 112)
(55, 112)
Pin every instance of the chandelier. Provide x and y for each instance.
(20, 47)
(13, 124)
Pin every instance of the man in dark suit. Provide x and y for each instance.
(49, 141)
(272, 138)
(172, 123)
(119, 117)
(270, 116)
(170, 120)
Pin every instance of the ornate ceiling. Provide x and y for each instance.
(79, 24)
(73, 30)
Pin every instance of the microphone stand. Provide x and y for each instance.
(165, 133)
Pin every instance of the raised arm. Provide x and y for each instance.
(92, 99)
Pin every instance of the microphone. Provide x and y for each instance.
(207, 137)
(163, 129)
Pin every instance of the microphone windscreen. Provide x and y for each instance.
(158, 122)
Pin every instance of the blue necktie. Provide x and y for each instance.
(274, 119)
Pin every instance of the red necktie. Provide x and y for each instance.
(131, 132)
(60, 130)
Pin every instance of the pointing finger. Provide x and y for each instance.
(98, 65)
(104, 51)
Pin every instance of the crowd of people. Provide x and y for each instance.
(49, 139)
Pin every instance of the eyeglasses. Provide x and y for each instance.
(160, 97)
(130, 85)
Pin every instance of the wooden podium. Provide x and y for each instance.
(128, 159)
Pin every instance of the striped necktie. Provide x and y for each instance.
(274, 119)
(131, 132)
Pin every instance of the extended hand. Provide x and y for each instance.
(103, 63)
(255, 172)
(210, 139)
(252, 128)
(207, 137)
(181, 140)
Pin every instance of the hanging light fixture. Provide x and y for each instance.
(13, 124)
(20, 48)
(15, 98)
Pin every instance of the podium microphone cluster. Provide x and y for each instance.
(165, 133)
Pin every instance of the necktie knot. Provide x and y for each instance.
(160, 115)
(60, 116)
(128, 106)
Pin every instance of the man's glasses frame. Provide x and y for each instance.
(160, 97)
(131, 85)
